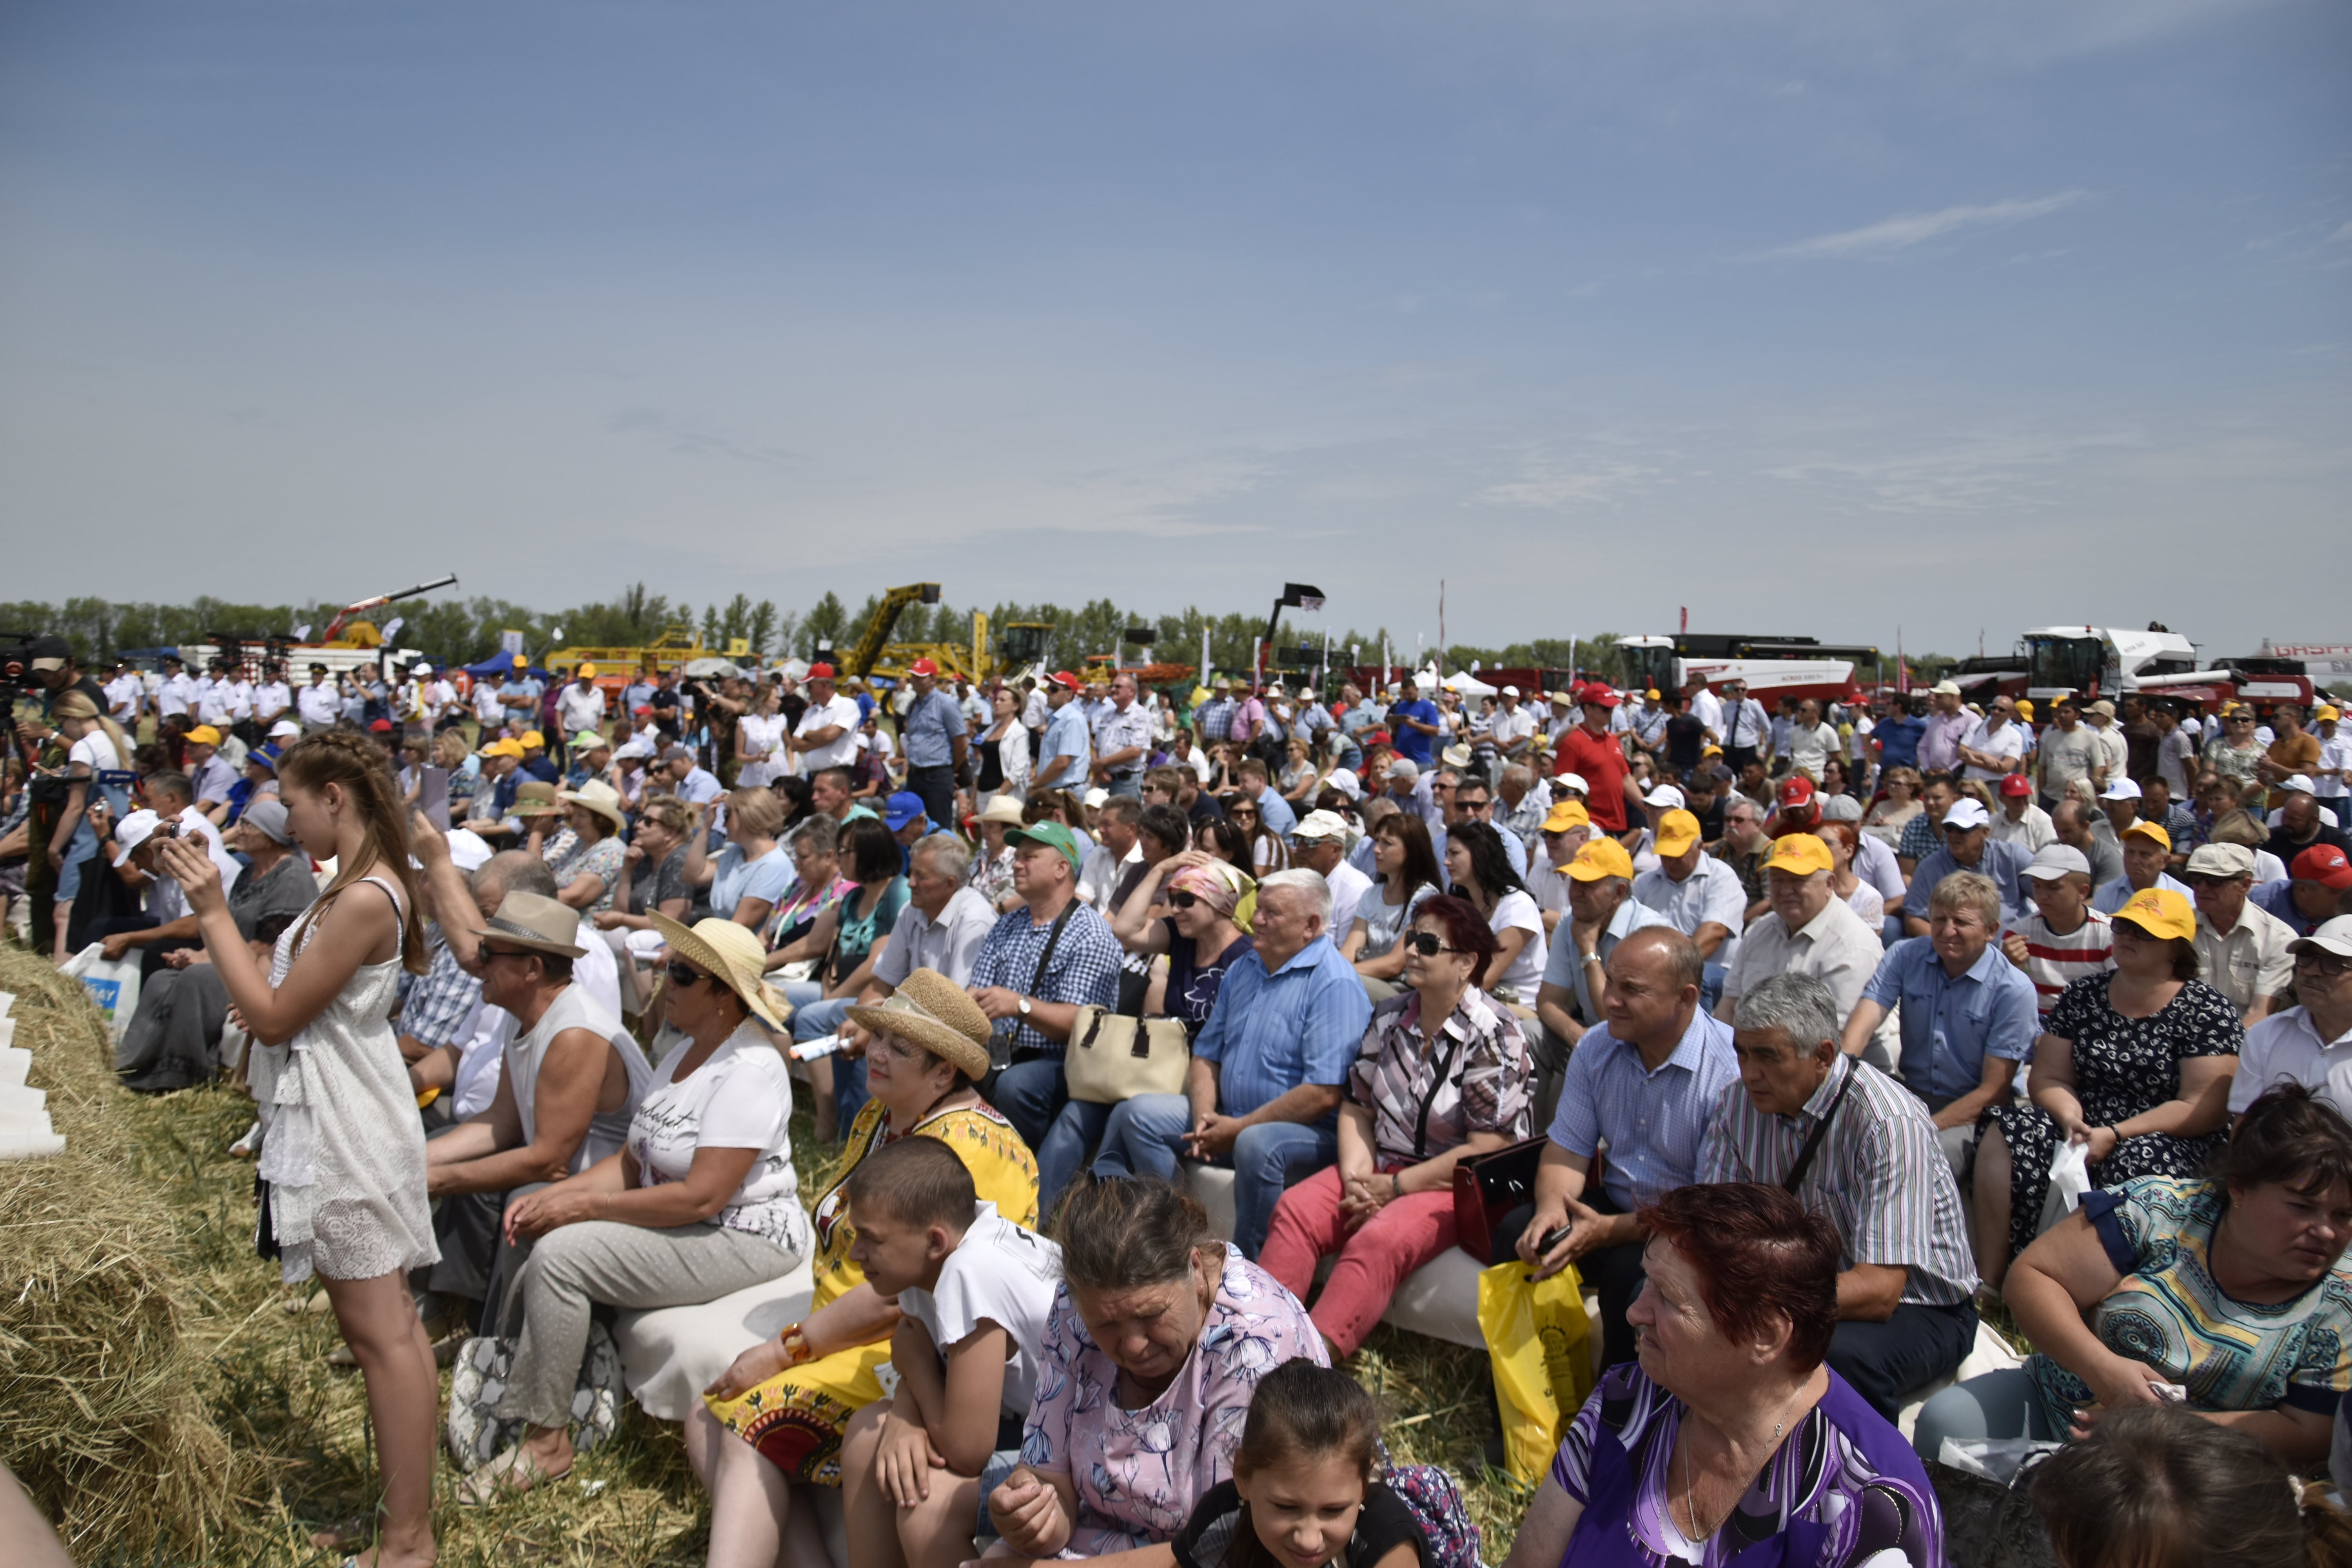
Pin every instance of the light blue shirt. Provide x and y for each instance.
(1950, 1024)
(1565, 967)
(1270, 1033)
(1066, 736)
(2002, 861)
(930, 729)
(1275, 813)
(1654, 1122)
(2118, 893)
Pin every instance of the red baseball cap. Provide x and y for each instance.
(1066, 682)
(2323, 864)
(923, 666)
(1598, 695)
(2016, 784)
(820, 672)
(382, 727)
(1796, 790)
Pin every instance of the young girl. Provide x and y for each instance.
(1305, 1492)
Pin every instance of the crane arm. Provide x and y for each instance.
(348, 610)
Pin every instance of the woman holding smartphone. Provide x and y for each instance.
(344, 1161)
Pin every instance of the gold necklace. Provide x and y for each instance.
(1690, 1491)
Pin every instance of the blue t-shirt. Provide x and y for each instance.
(1411, 743)
(1898, 741)
(736, 879)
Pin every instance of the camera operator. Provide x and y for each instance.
(50, 671)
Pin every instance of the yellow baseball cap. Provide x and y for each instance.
(503, 747)
(587, 671)
(533, 738)
(1568, 814)
(2024, 708)
(2326, 715)
(205, 735)
(1678, 831)
(2149, 830)
(2161, 912)
(1800, 854)
(1604, 857)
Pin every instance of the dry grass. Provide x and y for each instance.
(164, 1409)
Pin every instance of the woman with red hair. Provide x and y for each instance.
(1444, 1072)
(1728, 1433)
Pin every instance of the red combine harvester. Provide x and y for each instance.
(1773, 667)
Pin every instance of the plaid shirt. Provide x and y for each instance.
(439, 1004)
(1213, 719)
(1920, 839)
(1085, 970)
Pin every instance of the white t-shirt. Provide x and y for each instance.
(1517, 910)
(97, 752)
(1000, 1274)
(762, 737)
(577, 710)
(1349, 887)
(2006, 741)
(842, 750)
(486, 706)
(740, 1099)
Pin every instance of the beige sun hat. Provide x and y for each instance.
(933, 1011)
(533, 797)
(600, 798)
(537, 922)
(1002, 808)
(733, 953)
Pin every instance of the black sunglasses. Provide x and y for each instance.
(683, 974)
(2320, 962)
(1427, 943)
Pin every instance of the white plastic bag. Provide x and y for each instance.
(114, 986)
(2069, 1178)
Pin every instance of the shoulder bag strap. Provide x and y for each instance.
(1053, 940)
(1796, 1176)
(1436, 1082)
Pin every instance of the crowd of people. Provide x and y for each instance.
(1823, 1030)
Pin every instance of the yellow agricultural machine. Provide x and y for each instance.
(1019, 645)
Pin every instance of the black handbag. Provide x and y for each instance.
(1489, 1187)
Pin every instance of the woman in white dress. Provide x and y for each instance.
(345, 1156)
(760, 739)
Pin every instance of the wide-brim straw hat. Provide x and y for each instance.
(932, 1011)
(534, 797)
(600, 798)
(1002, 809)
(732, 953)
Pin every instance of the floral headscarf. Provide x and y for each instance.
(1223, 889)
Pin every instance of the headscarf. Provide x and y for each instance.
(1224, 889)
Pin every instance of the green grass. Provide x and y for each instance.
(298, 1426)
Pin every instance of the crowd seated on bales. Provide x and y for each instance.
(1822, 1036)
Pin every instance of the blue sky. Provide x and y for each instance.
(1813, 317)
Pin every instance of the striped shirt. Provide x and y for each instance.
(1879, 1176)
(2053, 963)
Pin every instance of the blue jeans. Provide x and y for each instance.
(1034, 1098)
(814, 1021)
(1142, 1139)
(1710, 988)
(1128, 784)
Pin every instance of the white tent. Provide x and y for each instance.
(1466, 684)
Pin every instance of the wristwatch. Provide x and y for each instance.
(1021, 1006)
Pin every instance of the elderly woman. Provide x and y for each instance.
(775, 1419)
(844, 940)
(751, 870)
(1002, 751)
(1444, 1072)
(1728, 1435)
(699, 1201)
(817, 885)
(1158, 1338)
(588, 870)
(992, 862)
(652, 878)
(2225, 1288)
(2134, 1064)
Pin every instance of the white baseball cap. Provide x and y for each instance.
(1510, 692)
(1667, 795)
(2331, 936)
(1321, 824)
(2298, 785)
(134, 830)
(1572, 781)
(2053, 861)
(1967, 812)
(2120, 789)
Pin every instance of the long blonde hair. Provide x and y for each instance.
(78, 705)
(341, 757)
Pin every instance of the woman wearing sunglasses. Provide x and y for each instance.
(1443, 1073)
(699, 1201)
(773, 1422)
(1268, 854)
(1199, 923)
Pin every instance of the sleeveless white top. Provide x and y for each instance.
(574, 1008)
(344, 1154)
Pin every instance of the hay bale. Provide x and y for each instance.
(106, 1423)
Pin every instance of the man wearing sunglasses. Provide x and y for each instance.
(2311, 1044)
(2241, 947)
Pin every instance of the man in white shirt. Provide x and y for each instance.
(215, 694)
(2311, 1044)
(1811, 743)
(581, 705)
(1514, 730)
(1809, 931)
(2020, 821)
(2114, 750)
(2332, 781)
(1320, 844)
(1706, 707)
(1994, 748)
(319, 704)
(1700, 894)
(178, 693)
(2069, 751)
(124, 694)
(940, 928)
(826, 736)
(272, 698)
(1117, 845)
(2242, 948)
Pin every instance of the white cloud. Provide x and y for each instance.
(1890, 237)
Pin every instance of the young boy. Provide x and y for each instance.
(975, 1290)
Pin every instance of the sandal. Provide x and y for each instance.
(513, 1471)
(359, 1529)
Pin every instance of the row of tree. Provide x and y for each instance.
(462, 630)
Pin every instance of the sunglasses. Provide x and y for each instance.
(2207, 880)
(683, 975)
(488, 952)
(1248, 811)
(2318, 962)
(1427, 943)
(1183, 900)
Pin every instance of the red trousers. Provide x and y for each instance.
(1309, 1226)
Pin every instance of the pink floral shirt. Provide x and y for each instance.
(1139, 1473)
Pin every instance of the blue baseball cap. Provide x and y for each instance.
(902, 808)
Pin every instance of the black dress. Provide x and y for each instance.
(2123, 1068)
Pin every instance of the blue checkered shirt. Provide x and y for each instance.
(439, 1004)
(1085, 970)
(1920, 838)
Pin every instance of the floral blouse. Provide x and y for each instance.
(602, 858)
(1140, 1473)
(992, 877)
(799, 906)
(1427, 1096)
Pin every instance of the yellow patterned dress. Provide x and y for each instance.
(797, 1418)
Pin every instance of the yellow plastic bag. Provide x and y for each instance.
(1540, 1341)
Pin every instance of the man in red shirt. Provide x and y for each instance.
(1591, 751)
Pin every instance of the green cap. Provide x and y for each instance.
(1053, 835)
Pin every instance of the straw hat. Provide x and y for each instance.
(933, 1011)
(733, 954)
(599, 797)
(537, 922)
(1002, 808)
(534, 797)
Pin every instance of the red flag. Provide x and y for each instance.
(1685, 617)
